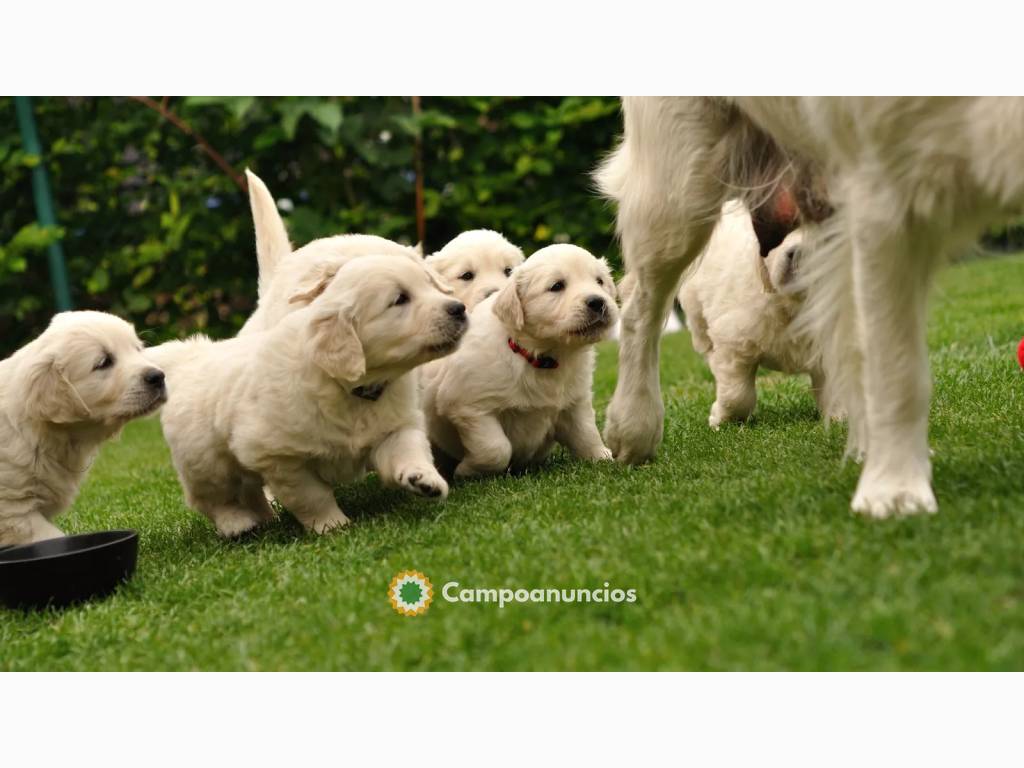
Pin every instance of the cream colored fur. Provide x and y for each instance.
(911, 180)
(476, 264)
(487, 406)
(281, 407)
(740, 310)
(61, 396)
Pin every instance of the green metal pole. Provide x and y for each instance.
(44, 201)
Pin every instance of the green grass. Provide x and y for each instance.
(740, 545)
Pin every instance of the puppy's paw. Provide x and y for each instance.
(425, 481)
(894, 497)
(232, 523)
(604, 454)
(326, 523)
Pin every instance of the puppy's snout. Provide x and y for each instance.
(457, 310)
(154, 378)
(596, 304)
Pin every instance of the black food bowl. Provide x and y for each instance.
(67, 570)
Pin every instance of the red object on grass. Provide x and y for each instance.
(1020, 353)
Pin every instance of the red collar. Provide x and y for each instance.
(541, 361)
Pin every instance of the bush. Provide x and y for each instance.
(156, 232)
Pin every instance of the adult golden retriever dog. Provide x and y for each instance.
(900, 183)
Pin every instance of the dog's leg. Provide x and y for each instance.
(735, 390)
(306, 496)
(576, 429)
(41, 529)
(404, 459)
(487, 447)
(890, 293)
(254, 497)
(668, 180)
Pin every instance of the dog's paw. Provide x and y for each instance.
(604, 454)
(633, 431)
(232, 523)
(894, 497)
(425, 481)
(326, 523)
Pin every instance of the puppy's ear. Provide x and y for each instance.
(314, 282)
(335, 346)
(437, 281)
(49, 395)
(508, 306)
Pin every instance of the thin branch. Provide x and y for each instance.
(162, 110)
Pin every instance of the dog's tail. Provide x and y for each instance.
(168, 355)
(271, 236)
(829, 319)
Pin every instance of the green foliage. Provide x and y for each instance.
(156, 232)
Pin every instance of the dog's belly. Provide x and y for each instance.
(531, 433)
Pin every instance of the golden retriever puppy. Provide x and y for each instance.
(521, 380)
(896, 185)
(318, 399)
(289, 279)
(739, 311)
(61, 396)
(476, 264)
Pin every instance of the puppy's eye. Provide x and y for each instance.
(403, 298)
(107, 361)
(467, 276)
(600, 281)
(508, 271)
(559, 286)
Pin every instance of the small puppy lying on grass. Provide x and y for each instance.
(61, 396)
(476, 264)
(521, 380)
(289, 279)
(316, 400)
(739, 310)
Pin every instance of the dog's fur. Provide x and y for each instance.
(908, 180)
(61, 396)
(283, 407)
(288, 279)
(476, 264)
(740, 309)
(486, 406)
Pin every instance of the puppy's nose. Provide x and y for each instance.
(154, 378)
(595, 304)
(457, 309)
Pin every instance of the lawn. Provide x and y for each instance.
(740, 545)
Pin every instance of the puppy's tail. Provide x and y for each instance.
(829, 320)
(271, 237)
(168, 355)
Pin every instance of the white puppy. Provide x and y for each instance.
(740, 309)
(289, 279)
(61, 396)
(521, 380)
(899, 182)
(317, 400)
(476, 264)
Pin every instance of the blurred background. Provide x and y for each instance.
(152, 214)
(153, 218)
